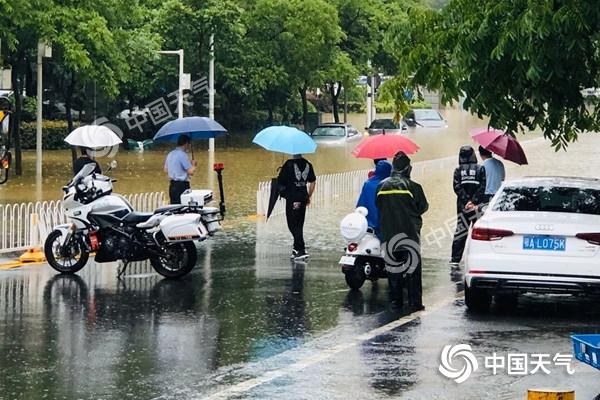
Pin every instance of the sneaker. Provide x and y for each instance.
(300, 256)
(294, 254)
(454, 264)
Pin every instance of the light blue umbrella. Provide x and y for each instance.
(285, 139)
(194, 127)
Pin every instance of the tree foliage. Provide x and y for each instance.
(523, 63)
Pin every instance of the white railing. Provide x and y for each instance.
(344, 185)
(26, 225)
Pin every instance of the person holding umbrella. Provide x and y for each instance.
(179, 168)
(494, 173)
(297, 180)
(85, 159)
(177, 164)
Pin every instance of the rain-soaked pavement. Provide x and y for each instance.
(248, 323)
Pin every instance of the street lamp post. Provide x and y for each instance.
(211, 89)
(180, 91)
(42, 51)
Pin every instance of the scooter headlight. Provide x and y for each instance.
(353, 227)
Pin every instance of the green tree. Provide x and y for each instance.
(522, 63)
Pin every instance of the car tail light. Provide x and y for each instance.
(488, 234)
(593, 238)
(352, 247)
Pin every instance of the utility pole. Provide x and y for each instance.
(211, 88)
(42, 51)
(181, 79)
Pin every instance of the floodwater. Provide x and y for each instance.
(245, 164)
(248, 323)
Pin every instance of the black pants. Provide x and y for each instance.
(464, 220)
(295, 213)
(176, 188)
(410, 281)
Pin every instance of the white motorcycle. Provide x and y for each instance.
(363, 259)
(106, 223)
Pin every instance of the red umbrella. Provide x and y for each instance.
(384, 146)
(500, 143)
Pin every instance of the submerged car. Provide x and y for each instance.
(537, 235)
(385, 125)
(333, 133)
(425, 118)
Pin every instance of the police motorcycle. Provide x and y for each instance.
(363, 258)
(103, 222)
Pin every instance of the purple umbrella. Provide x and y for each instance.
(498, 142)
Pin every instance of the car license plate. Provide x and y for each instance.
(347, 260)
(540, 242)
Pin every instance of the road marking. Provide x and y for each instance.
(325, 353)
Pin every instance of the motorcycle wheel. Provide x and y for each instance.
(178, 260)
(356, 277)
(59, 259)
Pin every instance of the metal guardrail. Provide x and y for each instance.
(343, 185)
(26, 225)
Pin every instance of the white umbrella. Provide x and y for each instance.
(93, 136)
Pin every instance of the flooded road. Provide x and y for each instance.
(245, 164)
(248, 323)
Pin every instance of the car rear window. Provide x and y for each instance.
(383, 124)
(329, 131)
(428, 115)
(549, 198)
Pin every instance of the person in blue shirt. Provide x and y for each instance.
(368, 195)
(179, 168)
(494, 173)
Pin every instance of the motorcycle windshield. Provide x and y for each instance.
(85, 171)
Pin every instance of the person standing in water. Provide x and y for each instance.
(297, 180)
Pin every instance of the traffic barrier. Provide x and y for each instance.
(343, 185)
(25, 226)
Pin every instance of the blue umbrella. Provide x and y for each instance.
(285, 139)
(194, 127)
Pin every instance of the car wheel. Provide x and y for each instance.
(477, 300)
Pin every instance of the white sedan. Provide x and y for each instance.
(537, 235)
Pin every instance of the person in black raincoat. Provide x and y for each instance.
(401, 203)
(469, 186)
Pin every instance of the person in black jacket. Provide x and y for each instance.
(85, 159)
(297, 180)
(401, 203)
(469, 186)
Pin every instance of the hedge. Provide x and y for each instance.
(53, 134)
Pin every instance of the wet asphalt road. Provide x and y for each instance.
(248, 324)
(251, 324)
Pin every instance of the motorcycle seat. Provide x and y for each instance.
(137, 217)
(167, 208)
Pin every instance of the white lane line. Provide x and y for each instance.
(325, 353)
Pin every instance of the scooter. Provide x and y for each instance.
(363, 258)
(105, 223)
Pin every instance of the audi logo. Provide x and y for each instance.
(542, 227)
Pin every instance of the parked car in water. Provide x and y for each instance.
(424, 117)
(378, 126)
(332, 133)
(537, 235)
